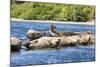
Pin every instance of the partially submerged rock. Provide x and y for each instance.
(15, 44)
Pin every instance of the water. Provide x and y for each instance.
(64, 55)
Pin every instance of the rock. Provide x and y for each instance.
(15, 44)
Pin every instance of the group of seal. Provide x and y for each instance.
(52, 39)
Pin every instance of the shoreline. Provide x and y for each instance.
(50, 21)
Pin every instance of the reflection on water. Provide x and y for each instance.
(63, 55)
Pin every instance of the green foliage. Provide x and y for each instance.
(51, 11)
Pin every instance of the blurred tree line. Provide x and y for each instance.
(52, 11)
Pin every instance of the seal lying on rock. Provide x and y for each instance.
(15, 44)
(33, 34)
(69, 33)
(92, 40)
(53, 42)
(75, 33)
(69, 41)
(86, 39)
(44, 42)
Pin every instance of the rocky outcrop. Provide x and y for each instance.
(15, 44)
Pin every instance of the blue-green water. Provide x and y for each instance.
(64, 55)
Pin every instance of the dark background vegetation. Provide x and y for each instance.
(51, 11)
